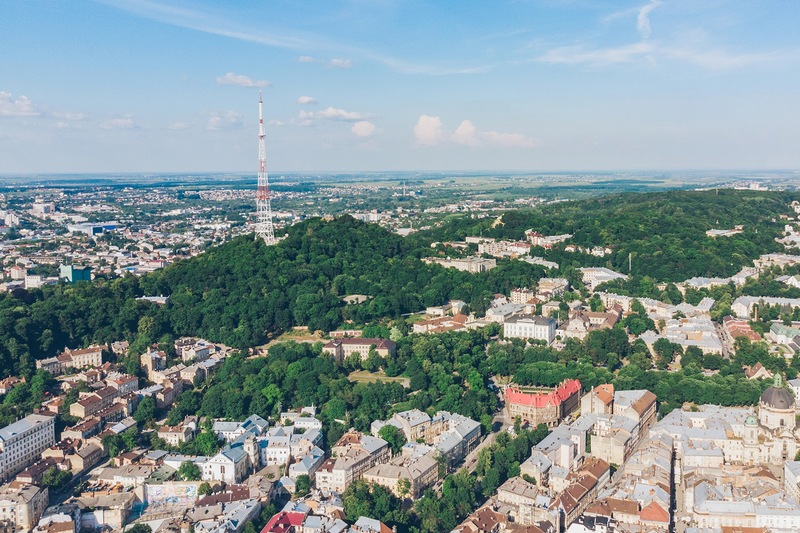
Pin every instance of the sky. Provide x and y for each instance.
(148, 86)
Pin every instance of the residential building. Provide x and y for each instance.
(21, 506)
(584, 486)
(524, 502)
(743, 306)
(581, 322)
(176, 435)
(599, 400)
(521, 296)
(453, 435)
(351, 456)
(421, 471)
(549, 288)
(457, 322)
(474, 265)
(22, 443)
(90, 357)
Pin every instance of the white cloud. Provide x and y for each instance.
(228, 120)
(334, 113)
(571, 55)
(125, 123)
(19, 107)
(643, 19)
(710, 58)
(177, 126)
(717, 59)
(69, 116)
(241, 80)
(336, 62)
(429, 130)
(466, 133)
(340, 63)
(276, 123)
(306, 118)
(306, 100)
(363, 128)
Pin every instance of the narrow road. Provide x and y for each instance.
(471, 461)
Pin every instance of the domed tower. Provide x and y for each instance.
(776, 407)
(751, 431)
(750, 451)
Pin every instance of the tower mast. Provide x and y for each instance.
(264, 229)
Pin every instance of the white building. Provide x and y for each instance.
(594, 276)
(530, 327)
(22, 443)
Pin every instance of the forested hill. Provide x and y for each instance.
(242, 292)
(665, 232)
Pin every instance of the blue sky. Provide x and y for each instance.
(172, 86)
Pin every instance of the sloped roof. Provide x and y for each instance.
(543, 399)
(654, 513)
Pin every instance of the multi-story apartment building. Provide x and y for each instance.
(21, 506)
(22, 443)
(420, 471)
(86, 358)
(453, 435)
(352, 455)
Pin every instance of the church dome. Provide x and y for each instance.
(777, 398)
(751, 421)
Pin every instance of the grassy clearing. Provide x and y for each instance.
(362, 376)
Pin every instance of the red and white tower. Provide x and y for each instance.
(264, 227)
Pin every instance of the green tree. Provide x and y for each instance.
(204, 489)
(403, 487)
(189, 471)
(393, 436)
(302, 485)
(55, 478)
(207, 443)
(146, 410)
(112, 445)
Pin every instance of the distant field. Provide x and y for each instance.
(372, 377)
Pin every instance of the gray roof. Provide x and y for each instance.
(532, 319)
(21, 426)
(777, 398)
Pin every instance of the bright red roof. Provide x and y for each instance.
(284, 522)
(543, 399)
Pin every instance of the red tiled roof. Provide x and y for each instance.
(654, 513)
(284, 522)
(605, 393)
(543, 399)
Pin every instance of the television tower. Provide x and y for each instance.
(264, 229)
